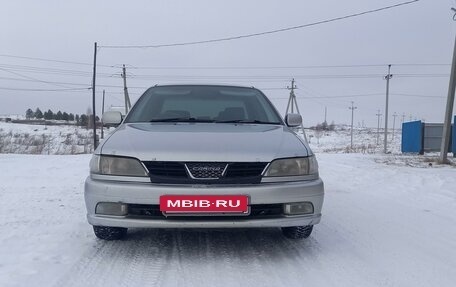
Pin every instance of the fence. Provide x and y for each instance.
(419, 137)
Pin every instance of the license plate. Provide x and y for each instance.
(204, 204)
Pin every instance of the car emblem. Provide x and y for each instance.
(206, 170)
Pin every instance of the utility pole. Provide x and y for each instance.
(352, 108)
(102, 112)
(449, 107)
(127, 97)
(292, 104)
(394, 125)
(403, 118)
(326, 112)
(385, 141)
(378, 114)
(292, 98)
(93, 97)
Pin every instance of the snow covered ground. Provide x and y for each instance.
(68, 139)
(41, 139)
(365, 140)
(383, 224)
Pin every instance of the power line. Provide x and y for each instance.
(70, 83)
(361, 95)
(419, 64)
(39, 81)
(25, 67)
(333, 97)
(30, 78)
(52, 71)
(272, 98)
(54, 61)
(344, 96)
(260, 33)
(247, 77)
(43, 90)
(69, 90)
(422, 75)
(213, 67)
(271, 89)
(283, 67)
(416, 96)
(252, 67)
(72, 72)
(284, 77)
(266, 78)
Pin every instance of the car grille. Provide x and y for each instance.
(257, 211)
(245, 169)
(205, 172)
(166, 168)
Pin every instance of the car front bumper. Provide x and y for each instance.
(149, 194)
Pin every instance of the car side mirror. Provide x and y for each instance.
(293, 120)
(112, 118)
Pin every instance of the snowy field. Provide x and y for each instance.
(67, 139)
(384, 224)
(41, 139)
(364, 140)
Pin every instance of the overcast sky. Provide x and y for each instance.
(422, 32)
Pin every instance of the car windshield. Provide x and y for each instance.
(220, 104)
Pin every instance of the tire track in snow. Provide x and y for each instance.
(83, 266)
(203, 258)
(130, 262)
(146, 263)
(252, 257)
(187, 258)
(233, 257)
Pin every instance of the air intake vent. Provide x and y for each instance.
(166, 168)
(245, 169)
(172, 172)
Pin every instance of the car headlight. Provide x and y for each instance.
(114, 165)
(293, 167)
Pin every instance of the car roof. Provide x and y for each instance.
(205, 85)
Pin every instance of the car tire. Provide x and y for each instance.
(297, 232)
(109, 233)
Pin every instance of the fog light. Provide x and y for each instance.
(111, 208)
(298, 208)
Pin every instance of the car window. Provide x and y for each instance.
(208, 103)
(203, 108)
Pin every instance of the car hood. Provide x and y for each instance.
(204, 142)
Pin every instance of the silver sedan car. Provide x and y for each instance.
(203, 156)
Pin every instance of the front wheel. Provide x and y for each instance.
(297, 232)
(109, 233)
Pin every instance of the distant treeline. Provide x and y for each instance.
(81, 120)
(324, 126)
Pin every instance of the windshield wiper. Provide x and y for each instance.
(249, 122)
(184, 120)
